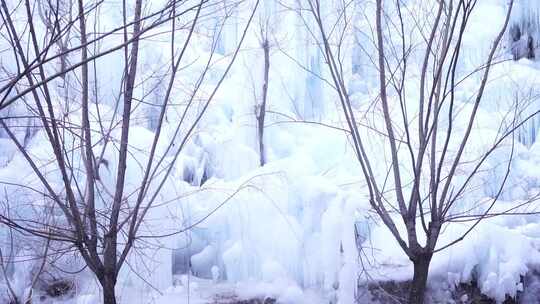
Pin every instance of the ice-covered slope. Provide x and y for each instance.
(298, 222)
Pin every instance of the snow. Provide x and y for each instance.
(299, 229)
(204, 291)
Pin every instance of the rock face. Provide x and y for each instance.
(389, 291)
(522, 44)
(531, 288)
(256, 301)
(469, 293)
(233, 300)
(60, 288)
(393, 292)
(523, 48)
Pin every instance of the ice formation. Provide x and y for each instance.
(296, 225)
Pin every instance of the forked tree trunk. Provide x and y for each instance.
(109, 295)
(419, 282)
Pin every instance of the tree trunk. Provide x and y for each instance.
(109, 296)
(418, 286)
(262, 109)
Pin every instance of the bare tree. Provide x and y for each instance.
(260, 109)
(102, 221)
(423, 167)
